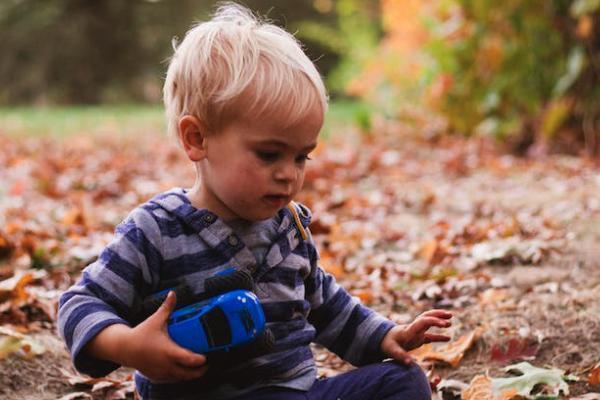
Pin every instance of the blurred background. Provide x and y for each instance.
(525, 72)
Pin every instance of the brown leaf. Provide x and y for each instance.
(6, 246)
(74, 216)
(14, 288)
(594, 378)
(76, 396)
(514, 349)
(493, 296)
(432, 252)
(480, 388)
(365, 295)
(450, 353)
(329, 264)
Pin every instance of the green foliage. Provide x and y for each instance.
(353, 39)
(513, 65)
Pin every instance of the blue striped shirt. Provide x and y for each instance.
(166, 242)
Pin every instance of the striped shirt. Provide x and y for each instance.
(166, 242)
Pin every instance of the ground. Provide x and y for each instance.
(406, 224)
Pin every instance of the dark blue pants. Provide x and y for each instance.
(383, 381)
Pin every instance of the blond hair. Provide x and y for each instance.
(239, 66)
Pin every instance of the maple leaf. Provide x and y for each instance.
(553, 379)
(486, 388)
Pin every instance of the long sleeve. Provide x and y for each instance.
(110, 288)
(343, 325)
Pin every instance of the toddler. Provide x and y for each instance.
(246, 105)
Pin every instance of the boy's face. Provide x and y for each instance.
(252, 168)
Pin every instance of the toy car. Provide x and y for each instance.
(219, 323)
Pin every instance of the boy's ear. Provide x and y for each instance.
(192, 135)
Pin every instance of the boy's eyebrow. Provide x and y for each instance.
(282, 144)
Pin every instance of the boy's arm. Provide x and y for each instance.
(344, 326)
(148, 348)
(108, 290)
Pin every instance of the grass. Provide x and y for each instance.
(128, 119)
(89, 120)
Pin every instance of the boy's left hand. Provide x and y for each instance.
(401, 339)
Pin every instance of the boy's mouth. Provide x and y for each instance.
(277, 200)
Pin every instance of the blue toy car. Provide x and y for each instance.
(219, 323)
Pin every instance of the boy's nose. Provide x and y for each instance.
(286, 172)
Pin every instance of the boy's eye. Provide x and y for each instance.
(268, 156)
(301, 159)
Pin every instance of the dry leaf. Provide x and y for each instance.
(74, 216)
(14, 288)
(450, 353)
(329, 264)
(515, 349)
(594, 378)
(480, 388)
(13, 342)
(432, 252)
(365, 295)
(76, 396)
(493, 296)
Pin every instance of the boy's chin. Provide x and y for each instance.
(256, 214)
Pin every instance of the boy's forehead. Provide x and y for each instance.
(301, 136)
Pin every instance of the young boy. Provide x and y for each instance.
(246, 105)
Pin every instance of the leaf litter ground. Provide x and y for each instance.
(405, 224)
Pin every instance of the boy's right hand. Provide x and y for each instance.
(151, 351)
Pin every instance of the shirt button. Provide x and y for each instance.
(233, 240)
(209, 218)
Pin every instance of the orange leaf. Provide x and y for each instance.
(365, 295)
(493, 296)
(6, 246)
(480, 388)
(329, 264)
(450, 353)
(14, 288)
(432, 252)
(74, 216)
(594, 378)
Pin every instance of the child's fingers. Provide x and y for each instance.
(436, 337)
(180, 373)
(423, 323)
(438, 314)
(191, 360)
(167, 307)
(186, 358)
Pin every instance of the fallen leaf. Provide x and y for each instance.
(14, 288)
(451, 386)
(493, 296)
(432, 252)
(6, 246)
(594, 378)
(515, 349)
(13, 342)
(511, 248)
(450, 353)
(76, 396)
(365, 295)
(329, 264)
(480, 388)
(552, 379)
(587, 396)
(75, 216)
